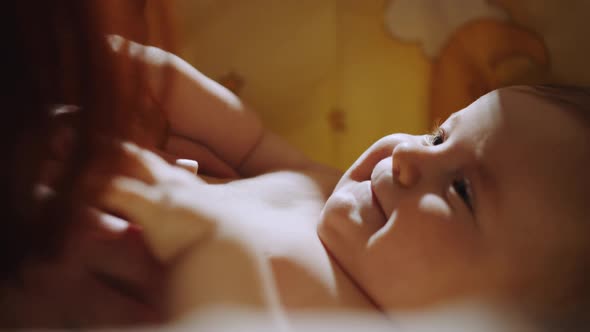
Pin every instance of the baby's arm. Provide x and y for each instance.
(205, 117)
(204, 111)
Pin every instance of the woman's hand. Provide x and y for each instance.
(141, 167)
(178, 211)
(162, 199)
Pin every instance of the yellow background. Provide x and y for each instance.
(331, 78)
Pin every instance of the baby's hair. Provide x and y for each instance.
(576, 98)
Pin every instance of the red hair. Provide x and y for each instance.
(55, 53)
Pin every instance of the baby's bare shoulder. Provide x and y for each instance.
(313, 183)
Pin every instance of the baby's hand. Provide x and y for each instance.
(205, 121)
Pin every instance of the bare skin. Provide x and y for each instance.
(262, 253)
(212, 126)
(254, 242)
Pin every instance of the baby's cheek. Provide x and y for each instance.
(425, 227)
(419, 216)
(435, 206)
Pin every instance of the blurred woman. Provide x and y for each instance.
(64, 265)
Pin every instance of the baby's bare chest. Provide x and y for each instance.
(266, 254)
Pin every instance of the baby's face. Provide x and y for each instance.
(481, 210)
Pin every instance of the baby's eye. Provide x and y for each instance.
(463, 189)
(438, 136)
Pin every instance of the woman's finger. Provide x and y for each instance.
(105, 225)
(145, 159)
(126, 197)
(168, 225)
(140, 163)
(157, 164)
(209, 163)
(188, 164)
(123, 158)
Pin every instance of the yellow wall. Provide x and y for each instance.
(332, 76)
(324, 74)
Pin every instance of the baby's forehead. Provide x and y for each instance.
(551, 114)
(570, 101)
(572, 97)
(543, 144)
